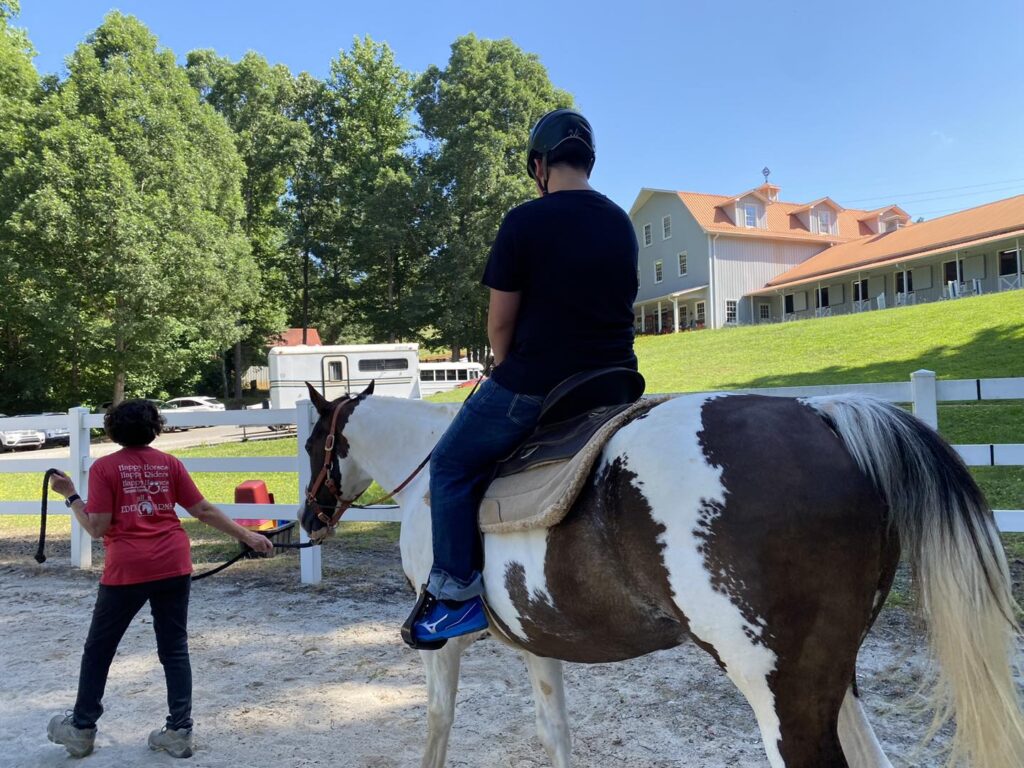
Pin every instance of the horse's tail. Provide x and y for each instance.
(948, 533)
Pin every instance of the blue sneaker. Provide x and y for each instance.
(433, 622)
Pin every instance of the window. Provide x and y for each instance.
(658, 271)
(820, 297)
(764, 311)
(890, 225)
(823, 219)
(788, 308)
(451, 374)
(700, 311)
(682, 263)
(750, 215)
(860, 290)
(426, 375)
(335, 371)
(1007, 263)
(953, 272)
(666, 227)
(904, 282)
(384, 364)
(730, 312)
(463, 374)
(648, 235)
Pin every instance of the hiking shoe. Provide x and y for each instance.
(77, 741)
(176, 743)
(441, 620)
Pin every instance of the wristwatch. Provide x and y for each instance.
(71, 500)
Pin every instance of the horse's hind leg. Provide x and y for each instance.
(860, 745)
(442, 667)
(796, 705)
(549, 698)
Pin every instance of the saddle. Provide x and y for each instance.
(536, 485)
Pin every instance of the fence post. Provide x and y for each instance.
(925, 394)
(310, 563)
(78, 448)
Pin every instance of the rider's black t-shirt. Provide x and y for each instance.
(573, 256)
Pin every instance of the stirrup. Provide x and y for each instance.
(418, 610)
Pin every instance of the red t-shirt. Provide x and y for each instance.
(139, 487)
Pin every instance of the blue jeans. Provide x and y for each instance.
(487, 429)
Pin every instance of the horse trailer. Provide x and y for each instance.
(343, 370)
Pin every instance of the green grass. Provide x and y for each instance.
(979, 337)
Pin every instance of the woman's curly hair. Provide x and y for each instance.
(133, 423)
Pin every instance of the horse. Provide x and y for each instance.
(767, 530)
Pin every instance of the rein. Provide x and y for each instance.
(341, 505)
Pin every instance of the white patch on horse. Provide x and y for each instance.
(685, 493)
(527, 549)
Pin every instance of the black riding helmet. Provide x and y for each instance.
(557, 134)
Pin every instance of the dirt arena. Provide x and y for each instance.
(287, 675)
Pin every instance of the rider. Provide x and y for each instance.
(562, 275)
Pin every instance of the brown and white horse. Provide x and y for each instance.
(767, 530)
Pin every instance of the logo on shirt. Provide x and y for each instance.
(146, 508)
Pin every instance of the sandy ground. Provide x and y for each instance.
(287, 676)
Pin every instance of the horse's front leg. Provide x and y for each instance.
(442, 667)
(552, 718)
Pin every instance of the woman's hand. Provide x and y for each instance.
(258, 542)
(62, 484)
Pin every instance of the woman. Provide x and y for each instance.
(132, 495)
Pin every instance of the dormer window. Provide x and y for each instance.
(824, 221)
(750, 215)
(890, 225)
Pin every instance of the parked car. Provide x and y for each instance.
(194, 404)
(10, 439)
(57, 435)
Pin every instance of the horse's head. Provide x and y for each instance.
(337, 480)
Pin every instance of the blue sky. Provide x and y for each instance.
(915, 102)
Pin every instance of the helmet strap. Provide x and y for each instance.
(543, 179)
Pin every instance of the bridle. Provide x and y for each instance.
(326, 479)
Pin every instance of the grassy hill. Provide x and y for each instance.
(978, 337)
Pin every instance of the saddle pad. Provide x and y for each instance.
(541, 496)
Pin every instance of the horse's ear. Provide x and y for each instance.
(319, 401)
(369, 388)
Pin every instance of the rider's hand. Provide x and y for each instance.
(62, 484)
(258, 542)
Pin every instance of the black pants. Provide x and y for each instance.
(114, 611)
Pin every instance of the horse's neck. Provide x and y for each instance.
(390, 436)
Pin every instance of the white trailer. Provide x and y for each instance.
(342, 370)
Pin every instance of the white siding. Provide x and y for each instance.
(743, 265)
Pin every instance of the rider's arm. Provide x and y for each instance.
(501, 322)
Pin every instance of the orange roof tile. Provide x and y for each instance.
(1003, 218)
(782, 221)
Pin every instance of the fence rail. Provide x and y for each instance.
(923, 391)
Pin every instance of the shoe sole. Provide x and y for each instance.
(71, 750)
(173, 753)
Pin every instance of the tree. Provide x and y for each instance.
(128, 231)
(355, 205)
(259, 103)
(476, 113)
(19, 93)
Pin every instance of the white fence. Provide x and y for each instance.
(79, 421)
(923, 391)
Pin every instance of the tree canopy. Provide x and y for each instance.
(154, 215)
